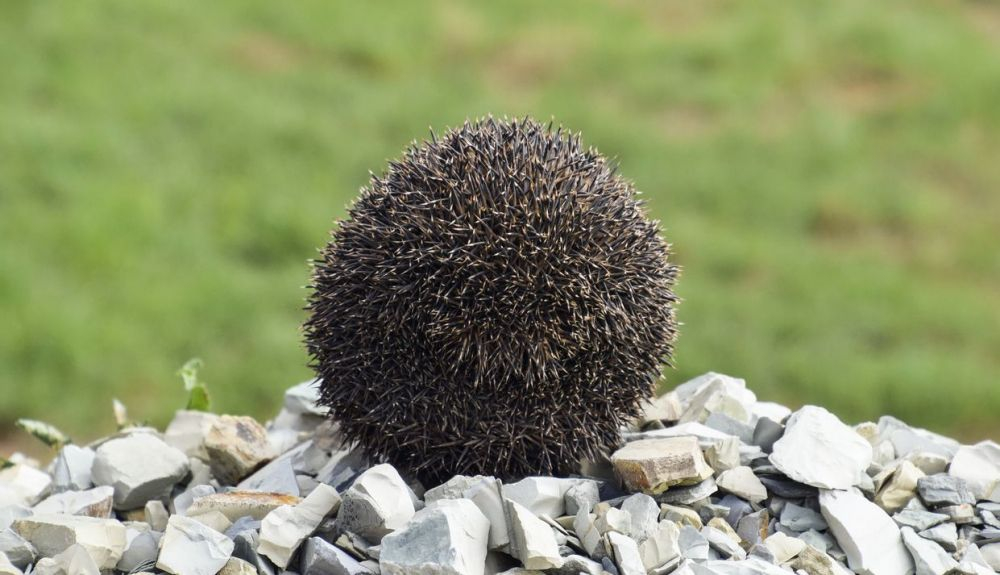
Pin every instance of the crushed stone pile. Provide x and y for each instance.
(710, 481)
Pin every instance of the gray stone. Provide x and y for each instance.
(766, 433)
(692, 544)
(584, 494)
(304, 399)
(452, 489)
(942, 489)
(653, 465)
(449, 537)
(689, 494)
(8, 568)
(753, 528)
(286, 527)
(578, 564)
(723, 543)
(730, 426)
(18, 550)
(906, 439)
(945, 535)
(918, 520)
(186, 498)
(142, 547)
(644, 514)
(961, 514)
(819, 450)
(378, 503)
(928, 557)
(531, 539)
(585, 527)
(662, 546)
(798, 518)
(237, 446)
(821, 541)
(277, 476)
(71, 470)
(190, 548)
(104, 539)
(867, 535)
(321, 558)
(139, 467)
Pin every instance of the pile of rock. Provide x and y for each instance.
(710, 481)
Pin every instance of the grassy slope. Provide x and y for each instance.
(828, 172)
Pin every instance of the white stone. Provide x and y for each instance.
(773, 411)
(190, 548)
(452, 489)
(75, 560)
(585, 527)
(715, 392)
(71, 470)
(653, 465)
(865, 532)
(378, 503)
(22, 484)
(724, 454)
(661, 546)
(94, 502)
(156, 515)
(979, 466)
(819, 450)
(612, 519)
(742, 482)
(666, 407)
(214, 520)
(783, 547)
(540, 495)
(486, 496)
(104, 539)
(319, 557)
(626, 554)
(906, 439)
(285, 528)
(304, 398)
(531, 539)
(139, 467)
(723, 543)
(991, 554)
(447, 538)
(187, 431)
(237, 446)
(928, 556)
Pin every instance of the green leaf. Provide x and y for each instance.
(5, 463)
(45, 432)
(198, 399)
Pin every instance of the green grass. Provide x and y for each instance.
(827, 171)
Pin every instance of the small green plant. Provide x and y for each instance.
(198, 398)
(44, 432)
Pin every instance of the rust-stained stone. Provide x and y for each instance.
(236, 504)
(654, 465)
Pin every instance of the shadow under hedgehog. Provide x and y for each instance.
(496, 303)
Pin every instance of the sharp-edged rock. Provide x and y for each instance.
(187, 431)
(103, 539)
(139, 467)
(741, 482)
(819, 450)
(531, 539)
(319, 557)
(868, 536)
(448, 538)
(71, 470)
(190, 548)
(237, 446)
(94, 502)
(286, 527)
(378, 503)
(653, 465)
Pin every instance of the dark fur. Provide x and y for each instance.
(496, 303)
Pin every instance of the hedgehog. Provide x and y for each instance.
(496, 303)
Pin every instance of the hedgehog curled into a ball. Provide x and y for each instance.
(496, 303)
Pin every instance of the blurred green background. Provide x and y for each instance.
(829, 173)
